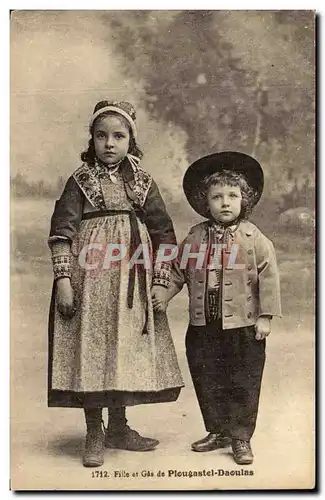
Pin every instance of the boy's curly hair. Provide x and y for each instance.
(89, 154)
(230, 178)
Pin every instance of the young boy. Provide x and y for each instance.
(230, 269)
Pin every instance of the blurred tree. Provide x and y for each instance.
(22, 187)
(60, 184)
(231, 80)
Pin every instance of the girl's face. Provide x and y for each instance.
(224, 202)
(111, 139)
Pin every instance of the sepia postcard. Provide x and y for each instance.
(162, 250)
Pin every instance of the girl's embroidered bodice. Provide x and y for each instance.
(114, 193)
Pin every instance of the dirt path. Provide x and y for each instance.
(47, 443)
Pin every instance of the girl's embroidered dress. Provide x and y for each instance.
(114, 351)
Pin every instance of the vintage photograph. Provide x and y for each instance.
(162, 250)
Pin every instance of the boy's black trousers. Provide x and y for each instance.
(226, 368)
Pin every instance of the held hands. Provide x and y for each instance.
(263, 327)
(65, 301)
(159, 298)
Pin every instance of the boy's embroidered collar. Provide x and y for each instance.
(241, 223)
(221, 229)
(88, 179)
(244, 224)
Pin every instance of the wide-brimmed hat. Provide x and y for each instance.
(217, 162)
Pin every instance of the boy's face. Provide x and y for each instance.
(224, 202)
(111, 139)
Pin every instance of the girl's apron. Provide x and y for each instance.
(111, 354)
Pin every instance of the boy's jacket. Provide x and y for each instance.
(246, 292)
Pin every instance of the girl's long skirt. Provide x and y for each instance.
(108, 354)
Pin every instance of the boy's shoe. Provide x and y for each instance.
(211, 442)
(129, 439)
(242, 450)
(94, 448)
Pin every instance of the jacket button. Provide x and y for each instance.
(249, 251)
(250, 267)
(199, 297)
(249, 315)
(201, 281)
(249, 298)
(228, 283)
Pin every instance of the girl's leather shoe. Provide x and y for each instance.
(129, 439)
(94, 448)
(211, 442)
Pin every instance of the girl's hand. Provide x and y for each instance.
(159, 298)
(65, 302)
(263, 327)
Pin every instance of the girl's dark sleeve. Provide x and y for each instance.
(65, 222)
(161, 231)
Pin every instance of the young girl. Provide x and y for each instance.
(107, 348)
(230, 269)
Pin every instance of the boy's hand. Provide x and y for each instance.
(159, 298)
(263, 327)
(65, 302)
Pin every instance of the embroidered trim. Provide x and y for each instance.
(161, 282)
(142, 185)
(216, 236)
(116, 109)
(61, 266)
(213, 305)
(88, 179)
(224, 234)
(161, 275)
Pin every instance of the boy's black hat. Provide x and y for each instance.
(217, 162)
